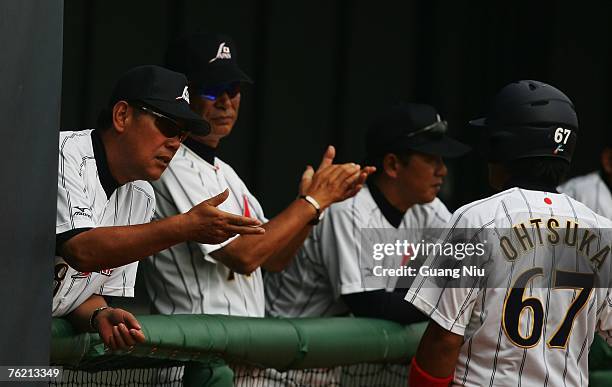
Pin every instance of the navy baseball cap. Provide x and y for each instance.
(161, 89)
(208, 59)
(411, 127)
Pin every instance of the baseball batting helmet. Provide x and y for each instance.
(529, 119)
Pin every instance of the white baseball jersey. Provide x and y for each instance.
(186, 278)
(531, 318)
(328, 265)
(591, 190)
(83, 203)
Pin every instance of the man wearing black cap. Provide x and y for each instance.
(406, 143)
(103, 206)
(226, 278)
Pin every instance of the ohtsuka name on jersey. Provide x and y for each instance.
(548, 230)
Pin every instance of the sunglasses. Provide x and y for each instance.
(214, 92)
(166, 125)
(438, 128)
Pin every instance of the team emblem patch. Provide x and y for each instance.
(82, 211)
(85, 274)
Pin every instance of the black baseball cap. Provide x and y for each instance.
(161, 89)
(411, 127)
(208, 59)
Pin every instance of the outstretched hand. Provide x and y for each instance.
(118, 329)
(333, 182)
(326, 160)
(360, 181)
(209, 225)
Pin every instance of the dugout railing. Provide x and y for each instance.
(195, 350)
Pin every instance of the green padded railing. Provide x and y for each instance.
(269, 343)
(266, 343)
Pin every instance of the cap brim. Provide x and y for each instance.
(479, 122)
(180, 110)
(216, 75)
(444, 147)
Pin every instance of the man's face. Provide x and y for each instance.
(221, 114)
(421, 177)
(149, 148)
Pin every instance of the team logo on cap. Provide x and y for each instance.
(185, 94)
(560, 137)
(223, 52)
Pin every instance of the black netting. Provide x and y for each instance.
(123, 371)
(163, 373)
(162, 377)
(359, 375)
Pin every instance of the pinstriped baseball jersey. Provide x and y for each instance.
(591, 190)
(327, 266)
(531, 319)
(82, 203)
(186, 278)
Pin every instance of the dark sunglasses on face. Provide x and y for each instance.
(166, 125)
(214, 92)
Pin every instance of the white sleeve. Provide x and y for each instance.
(451, 308)
(182, 186)
(73, 204)
(123, 279)
(341, 249)
(121, 282)
(449, 302)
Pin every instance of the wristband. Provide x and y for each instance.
(92, 318)
(420, 378)
(313, 202)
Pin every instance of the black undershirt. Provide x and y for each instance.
(202, 150)
(108, 182)
(106, 178)
(381, 303)
(392, 214)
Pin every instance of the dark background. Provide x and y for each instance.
(322, 69)
(30, 74)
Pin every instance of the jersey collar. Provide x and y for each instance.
(392, 214)
(106, 179)
(202, 150)
(530, 185)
